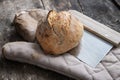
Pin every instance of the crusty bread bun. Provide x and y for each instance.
(59, 33)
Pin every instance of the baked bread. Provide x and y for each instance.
(59, 33)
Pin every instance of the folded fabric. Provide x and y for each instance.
(67, 64)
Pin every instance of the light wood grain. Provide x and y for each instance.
(97, 28)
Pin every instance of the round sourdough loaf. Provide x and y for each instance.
(59, 33)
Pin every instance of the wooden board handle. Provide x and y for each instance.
(97, 28)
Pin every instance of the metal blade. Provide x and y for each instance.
(92, 49)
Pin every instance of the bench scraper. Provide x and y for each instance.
(96, 42)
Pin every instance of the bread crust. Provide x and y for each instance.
(59, 33)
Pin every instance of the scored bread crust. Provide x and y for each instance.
(59, 33)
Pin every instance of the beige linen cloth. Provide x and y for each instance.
(67, 64)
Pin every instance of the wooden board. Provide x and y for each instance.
(98, 29)
(103, 11)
